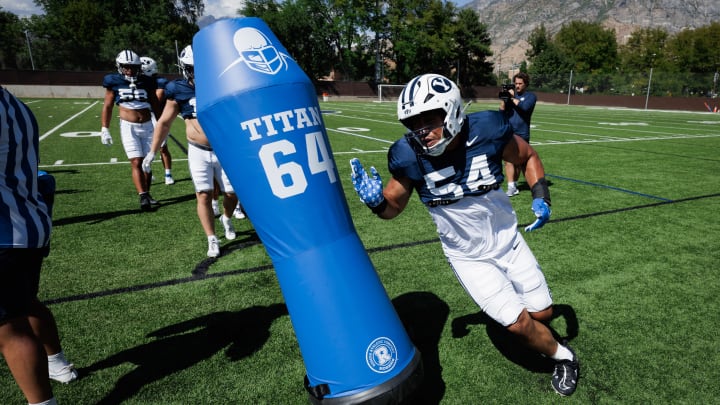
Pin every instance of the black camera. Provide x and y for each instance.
(505, 92)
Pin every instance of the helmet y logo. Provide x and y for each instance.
(258, 52)
(440, 84)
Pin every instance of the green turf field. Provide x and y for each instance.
(631, 254)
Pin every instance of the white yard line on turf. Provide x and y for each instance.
(45, 135)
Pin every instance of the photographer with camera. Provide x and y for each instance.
(518, 104)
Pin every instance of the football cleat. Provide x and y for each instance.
(238, 212)
(213, 247)
(169, 180)
(152, 200)
(229, 228)
(512, 191)
(565, 376)
(64, 374)
(145, 202)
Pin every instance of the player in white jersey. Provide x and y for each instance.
(454, 162)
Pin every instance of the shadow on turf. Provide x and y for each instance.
(183, 345)
(424, 315)
(250, 239)
(104, 216)
(510, 346)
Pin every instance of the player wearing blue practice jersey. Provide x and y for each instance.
(204, 165)
(519, 108)
(454, 162)
(135, 97)
(150, 69)
(28, 331)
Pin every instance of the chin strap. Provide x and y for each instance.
(466, 106)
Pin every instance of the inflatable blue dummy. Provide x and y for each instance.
(262, 117)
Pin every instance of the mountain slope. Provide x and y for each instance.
(510, 22)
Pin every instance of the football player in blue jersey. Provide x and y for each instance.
(28, 331)
(204, 165)
(135, 97)
(519, 108)
(150, 69)
(454, 162)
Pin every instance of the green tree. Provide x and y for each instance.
(347, 26)
(696, 50)
(87, 35)
(549, 66)
(421, 36)
(472, 43)
(644, 49)
(12, 31)
(305, 38)
(592, 50)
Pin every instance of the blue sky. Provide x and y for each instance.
(216, 8)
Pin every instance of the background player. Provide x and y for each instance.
(150, 69)
(204, 165)
(135, 97)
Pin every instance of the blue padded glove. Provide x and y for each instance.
(370, 189)
(542, 212)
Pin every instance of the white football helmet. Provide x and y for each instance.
(430, 92)
(187, 63)
(149, 66)
(128, 58)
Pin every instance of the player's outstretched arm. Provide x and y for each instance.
(386, 203)
(160, 133)
(520, 152)
(105, 116)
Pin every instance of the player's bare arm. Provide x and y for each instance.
(107, 109)
(520, 153)
(162, 126)
(397, 193)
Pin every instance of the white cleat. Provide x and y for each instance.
(229, 228)
(64, 374)
(213, 247)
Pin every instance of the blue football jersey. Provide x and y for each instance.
(161, 82)
(184, 94)
(463, 171)
(125, 93)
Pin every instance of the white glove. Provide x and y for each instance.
(105, 137)
(147, 162)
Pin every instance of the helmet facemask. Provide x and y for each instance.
(186, 62)
(149, 66)
(427, 93)
(128, 60)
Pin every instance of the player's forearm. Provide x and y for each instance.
(534, 169)
(159, 135)
(105, 118)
